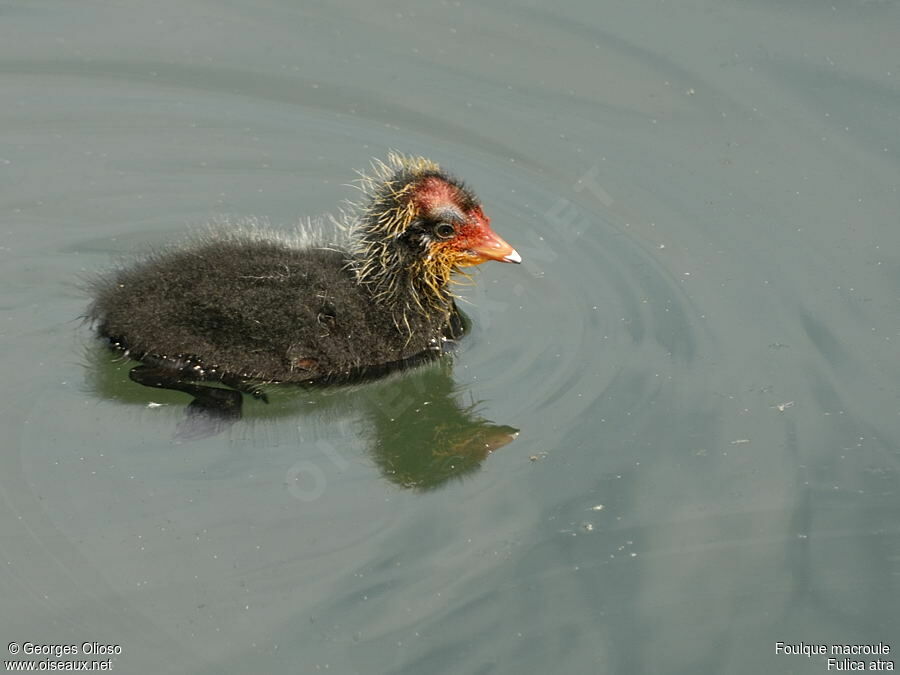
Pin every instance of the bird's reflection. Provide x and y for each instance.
(418, 428)
(423, 435)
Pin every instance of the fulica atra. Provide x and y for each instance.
(245, 308)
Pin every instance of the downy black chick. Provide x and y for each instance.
(244, 309)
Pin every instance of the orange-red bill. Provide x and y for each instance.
(490, 246)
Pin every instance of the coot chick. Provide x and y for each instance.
(244, 308)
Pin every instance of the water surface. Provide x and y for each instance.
(700, 351)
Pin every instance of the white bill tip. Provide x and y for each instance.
(513, 257)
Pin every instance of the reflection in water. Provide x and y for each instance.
(419, 430)
(423, 435)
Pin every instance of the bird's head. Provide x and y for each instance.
(418, 226)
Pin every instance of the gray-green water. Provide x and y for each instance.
(700, 351)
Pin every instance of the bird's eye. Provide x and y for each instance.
(444, 230)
